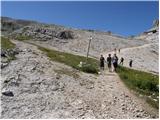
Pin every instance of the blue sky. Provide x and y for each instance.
(124, 18)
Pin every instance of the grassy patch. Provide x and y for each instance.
(72, 60)
(89, 68)
(6, 44)
(144, 83)
(23, 37)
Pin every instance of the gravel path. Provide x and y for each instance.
(47, 89)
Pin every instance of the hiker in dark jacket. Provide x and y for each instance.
(109, 62)
(130, 63)
(115, 62)
(102, 62)
(121, 62)
(119, 50)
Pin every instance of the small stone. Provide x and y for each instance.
(111, 87)
(57, 77)
(155, 100)
(137, 116)
(115, 97)
(54, 88)
(126, 96)
(6, 81)
(99, 73)
(123, 105)
(90, 87)
(141, 110)
(8, 93)
(3, 65)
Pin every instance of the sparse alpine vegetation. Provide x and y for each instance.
(6, 44)
(7, 51)
(146, 84)
(72, 60)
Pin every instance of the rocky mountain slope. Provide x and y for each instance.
(145, 57)
(76, 41)
(34, 86)
(72, 40)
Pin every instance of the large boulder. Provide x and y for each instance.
(65, 35)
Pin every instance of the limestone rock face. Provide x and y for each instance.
(156, 23)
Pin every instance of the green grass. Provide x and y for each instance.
(72, 60)
(143, 83)
(23, 37)
(6, 44)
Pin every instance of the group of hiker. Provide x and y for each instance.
(112, 61)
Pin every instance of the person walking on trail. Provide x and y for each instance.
(109, 62)
(119, 50)
(121, 62)
(130, 63)
(102, 62)
(115, 62)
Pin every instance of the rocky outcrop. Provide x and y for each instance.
(8, 25)
(41, 33)
(156, 23)
(9, 52)
(65, 35)
(7, 55)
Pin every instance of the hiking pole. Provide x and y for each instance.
(88, 48)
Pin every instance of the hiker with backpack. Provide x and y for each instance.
(119, 50)
(102, 62)
(115, 62)
(109, 62)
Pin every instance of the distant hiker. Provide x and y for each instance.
(130, 63)
(102, 62)
(115, 62)
(121, 62)
(109, 62)
(119, 50)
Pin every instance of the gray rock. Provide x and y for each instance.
(3, 53)
(8, 93)
(3, 65)
(65, 35)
